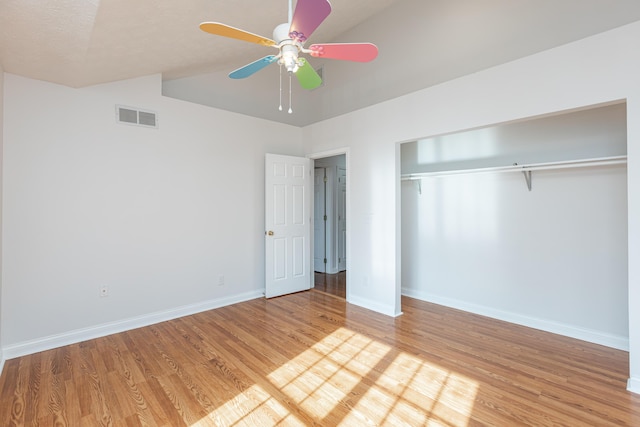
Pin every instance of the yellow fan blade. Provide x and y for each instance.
(219, 29)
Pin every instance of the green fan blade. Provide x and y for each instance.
(307, 76)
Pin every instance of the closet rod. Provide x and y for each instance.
(600, 161)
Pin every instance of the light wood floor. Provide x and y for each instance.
(312, 359)
(334, 284)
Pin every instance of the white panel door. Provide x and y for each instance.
(288, 186)
(342, 219)
(319, 223)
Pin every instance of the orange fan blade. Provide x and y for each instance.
(224, 30)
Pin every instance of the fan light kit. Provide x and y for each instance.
(289, 38)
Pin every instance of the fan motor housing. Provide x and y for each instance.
(281, 32)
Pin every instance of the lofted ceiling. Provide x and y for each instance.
(422, 43)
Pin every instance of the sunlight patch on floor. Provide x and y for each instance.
(374, 384)
(422, 392)
(261, 406)
(317, 379)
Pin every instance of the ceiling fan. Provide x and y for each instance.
(289, 38)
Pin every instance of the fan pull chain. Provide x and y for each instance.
(280, 107)
(290, 110)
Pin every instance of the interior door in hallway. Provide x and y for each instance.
(288, 186)
(319, 220)
(342, 219)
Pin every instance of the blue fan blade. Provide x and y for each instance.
(254, 67)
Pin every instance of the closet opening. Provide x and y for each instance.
(546, 250)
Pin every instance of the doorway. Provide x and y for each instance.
(330, 225)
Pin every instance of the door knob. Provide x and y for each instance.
(270, 233)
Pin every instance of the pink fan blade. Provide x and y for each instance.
(306, 18)
(359, 52)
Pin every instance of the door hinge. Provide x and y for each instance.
(325, 179)
(325, 217)
(325, 260)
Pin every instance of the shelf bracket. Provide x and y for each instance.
(527, 177)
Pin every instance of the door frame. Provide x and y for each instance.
(347, 155)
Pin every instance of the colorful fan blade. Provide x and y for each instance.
(254, 67)
(219, 29)
(306, 18)
(307, 76)
(360, 52)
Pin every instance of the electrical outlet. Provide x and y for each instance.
(104, 291)
(221, 280)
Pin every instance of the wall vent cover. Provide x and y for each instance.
(137, 117)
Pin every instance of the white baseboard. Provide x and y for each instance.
(386, 309)
(633, 385)
(596, 337)
(79, 335)
(1, 361)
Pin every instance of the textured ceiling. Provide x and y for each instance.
(422, 43)
(84, 42)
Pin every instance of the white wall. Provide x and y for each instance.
(553, 258)
(583, 134)
(331, 161)
(1, 187)
(595, 70)
(156, 214)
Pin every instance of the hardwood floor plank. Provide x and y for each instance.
(312, 359)
(17, 405)
(161, 404)
(180, 397)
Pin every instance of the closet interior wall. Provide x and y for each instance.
(555, 257)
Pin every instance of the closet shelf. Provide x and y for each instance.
(524, 168)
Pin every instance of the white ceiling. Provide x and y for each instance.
(422, 43)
